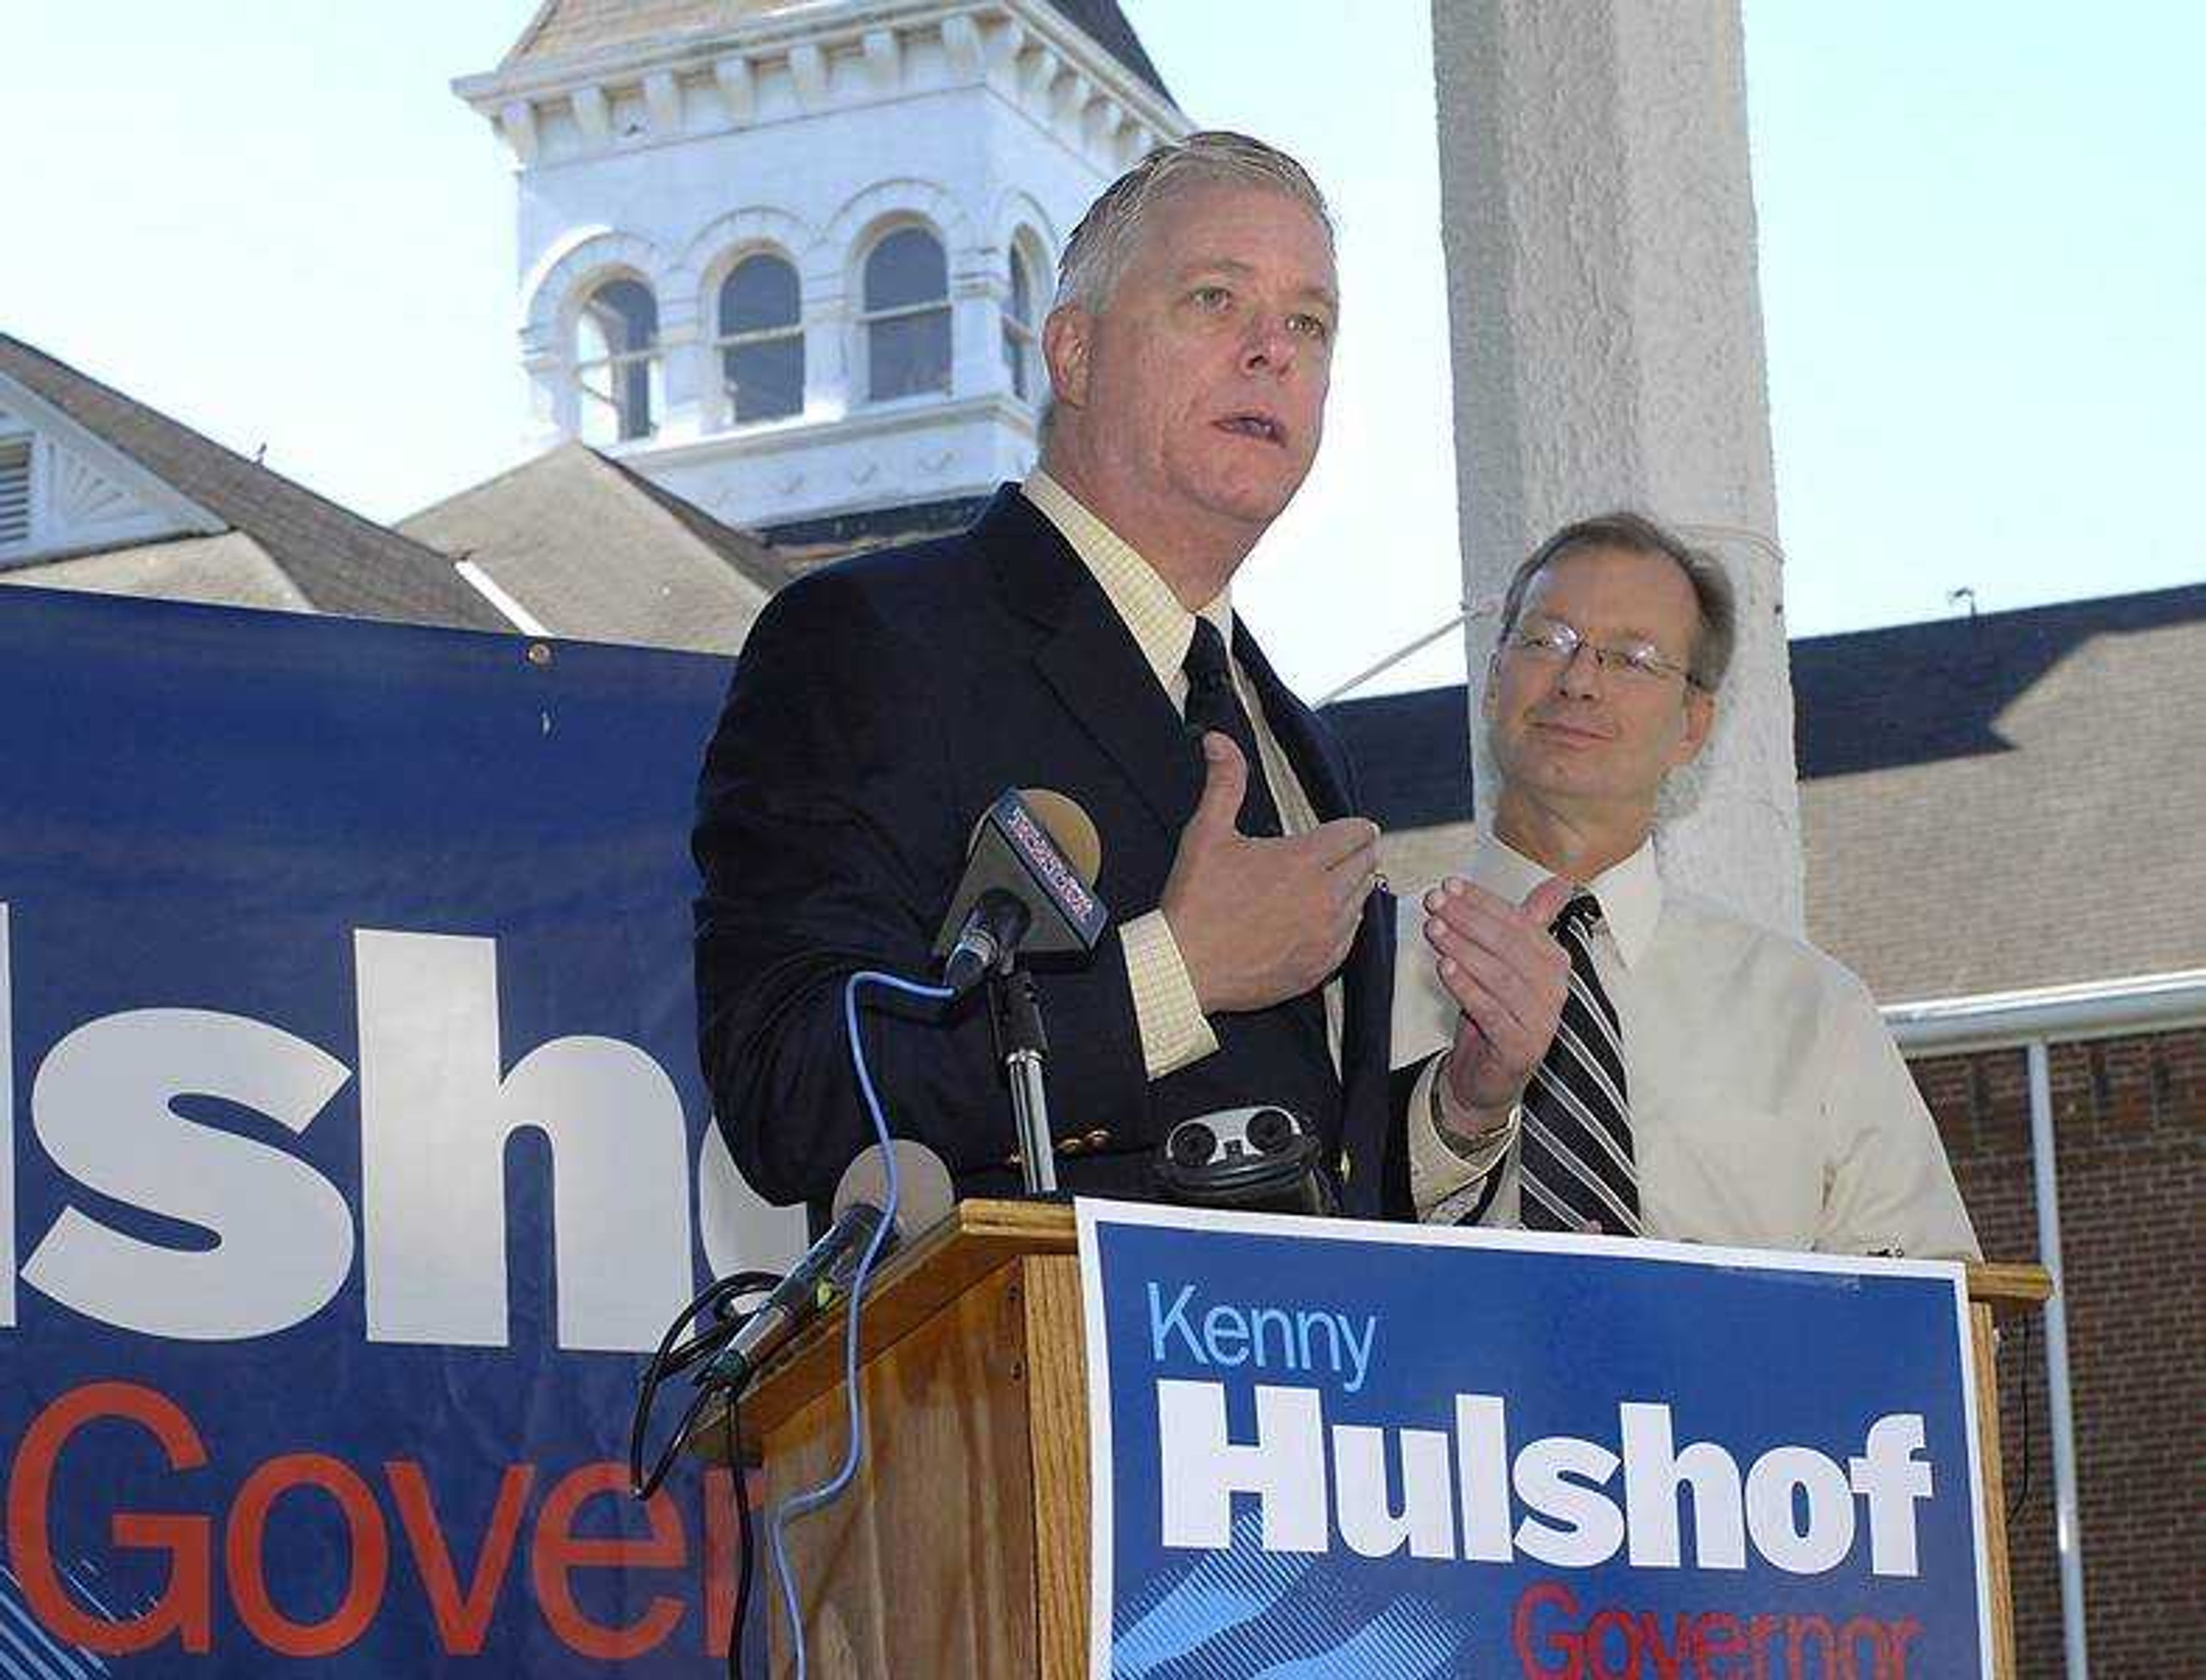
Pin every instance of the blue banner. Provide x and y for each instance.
(1325, 1449)
(356, 1146)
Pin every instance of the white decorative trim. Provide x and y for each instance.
(516, 121)
(804, 36)
(808, 68)
(864, 215)
(725, 241)
(738, 88)
(961, 48)
(875, 420)
(552, 292)
(662, 96)
(54, 429)
(884, 60)
(593, 114)
(508, 608)
(1018, 212)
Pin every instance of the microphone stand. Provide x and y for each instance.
(1014, 1007)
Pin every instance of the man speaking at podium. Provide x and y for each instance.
(1622, 1057)
(1080, 637)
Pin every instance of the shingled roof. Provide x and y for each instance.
(336, 560)
(2008, 802)
(1988, 805)
(589, 549)
(577, 28)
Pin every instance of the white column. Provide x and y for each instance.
(828, 393)
(1599, 226)
(687, 358)
(976, 335)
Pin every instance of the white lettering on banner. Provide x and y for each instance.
(104, 1104)
(1369, 1525)
(1892, 1478)
(1650, 1495)
(1202, 1469)
(1561, 1476)
(435, 1117)
(1823, 1540)
(1796, 1505)
(437, 1113)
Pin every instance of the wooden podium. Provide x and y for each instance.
(961, 1548)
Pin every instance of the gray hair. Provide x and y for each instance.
(1716, 632)
(1109, 234)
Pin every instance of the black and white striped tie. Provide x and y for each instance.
(1574, 1165)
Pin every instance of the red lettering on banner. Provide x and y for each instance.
(1717, 1635)
(1607, 1622)
(1902, 1630)
(1797, 1631)
(464, 1615)
(462, 1618)
(370, 1552)
(1614, 1643)
(1670, 1660)
(1555, 1594)
(1761, 1630)
(559, 1552)
(184, 1608)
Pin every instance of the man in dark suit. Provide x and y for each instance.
(1076, 638)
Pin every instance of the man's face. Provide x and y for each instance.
(1577, 738)
(1201, 386)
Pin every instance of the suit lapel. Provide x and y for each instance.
(1088, 657)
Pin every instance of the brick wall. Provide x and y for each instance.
(2129, 1129)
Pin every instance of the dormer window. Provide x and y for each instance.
(15, 492)
(762, 341)
(1019, 346)
(906, 322)
(617, 362)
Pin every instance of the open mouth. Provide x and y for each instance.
(1260, 427)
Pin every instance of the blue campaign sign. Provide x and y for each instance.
(1323, 1448)
(356, 1146)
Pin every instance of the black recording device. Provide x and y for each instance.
(1263, 1159)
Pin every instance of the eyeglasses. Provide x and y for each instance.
(1553, 642)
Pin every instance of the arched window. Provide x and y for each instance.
(761, 343)
(1019, 345)
(617, 362)
(907, 316)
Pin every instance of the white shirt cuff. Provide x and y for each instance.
(1174, 1031)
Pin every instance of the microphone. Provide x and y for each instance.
(925, 1196)
(1028, 885)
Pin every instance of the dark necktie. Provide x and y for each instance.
(1575, 1164)
(1211, 704)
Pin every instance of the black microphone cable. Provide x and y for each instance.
(675, 1354)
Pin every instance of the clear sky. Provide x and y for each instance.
(1983, 258)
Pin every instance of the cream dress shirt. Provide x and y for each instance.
(1174, 1031)
(1769, 1107)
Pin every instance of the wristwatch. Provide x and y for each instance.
(1480, 1147)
